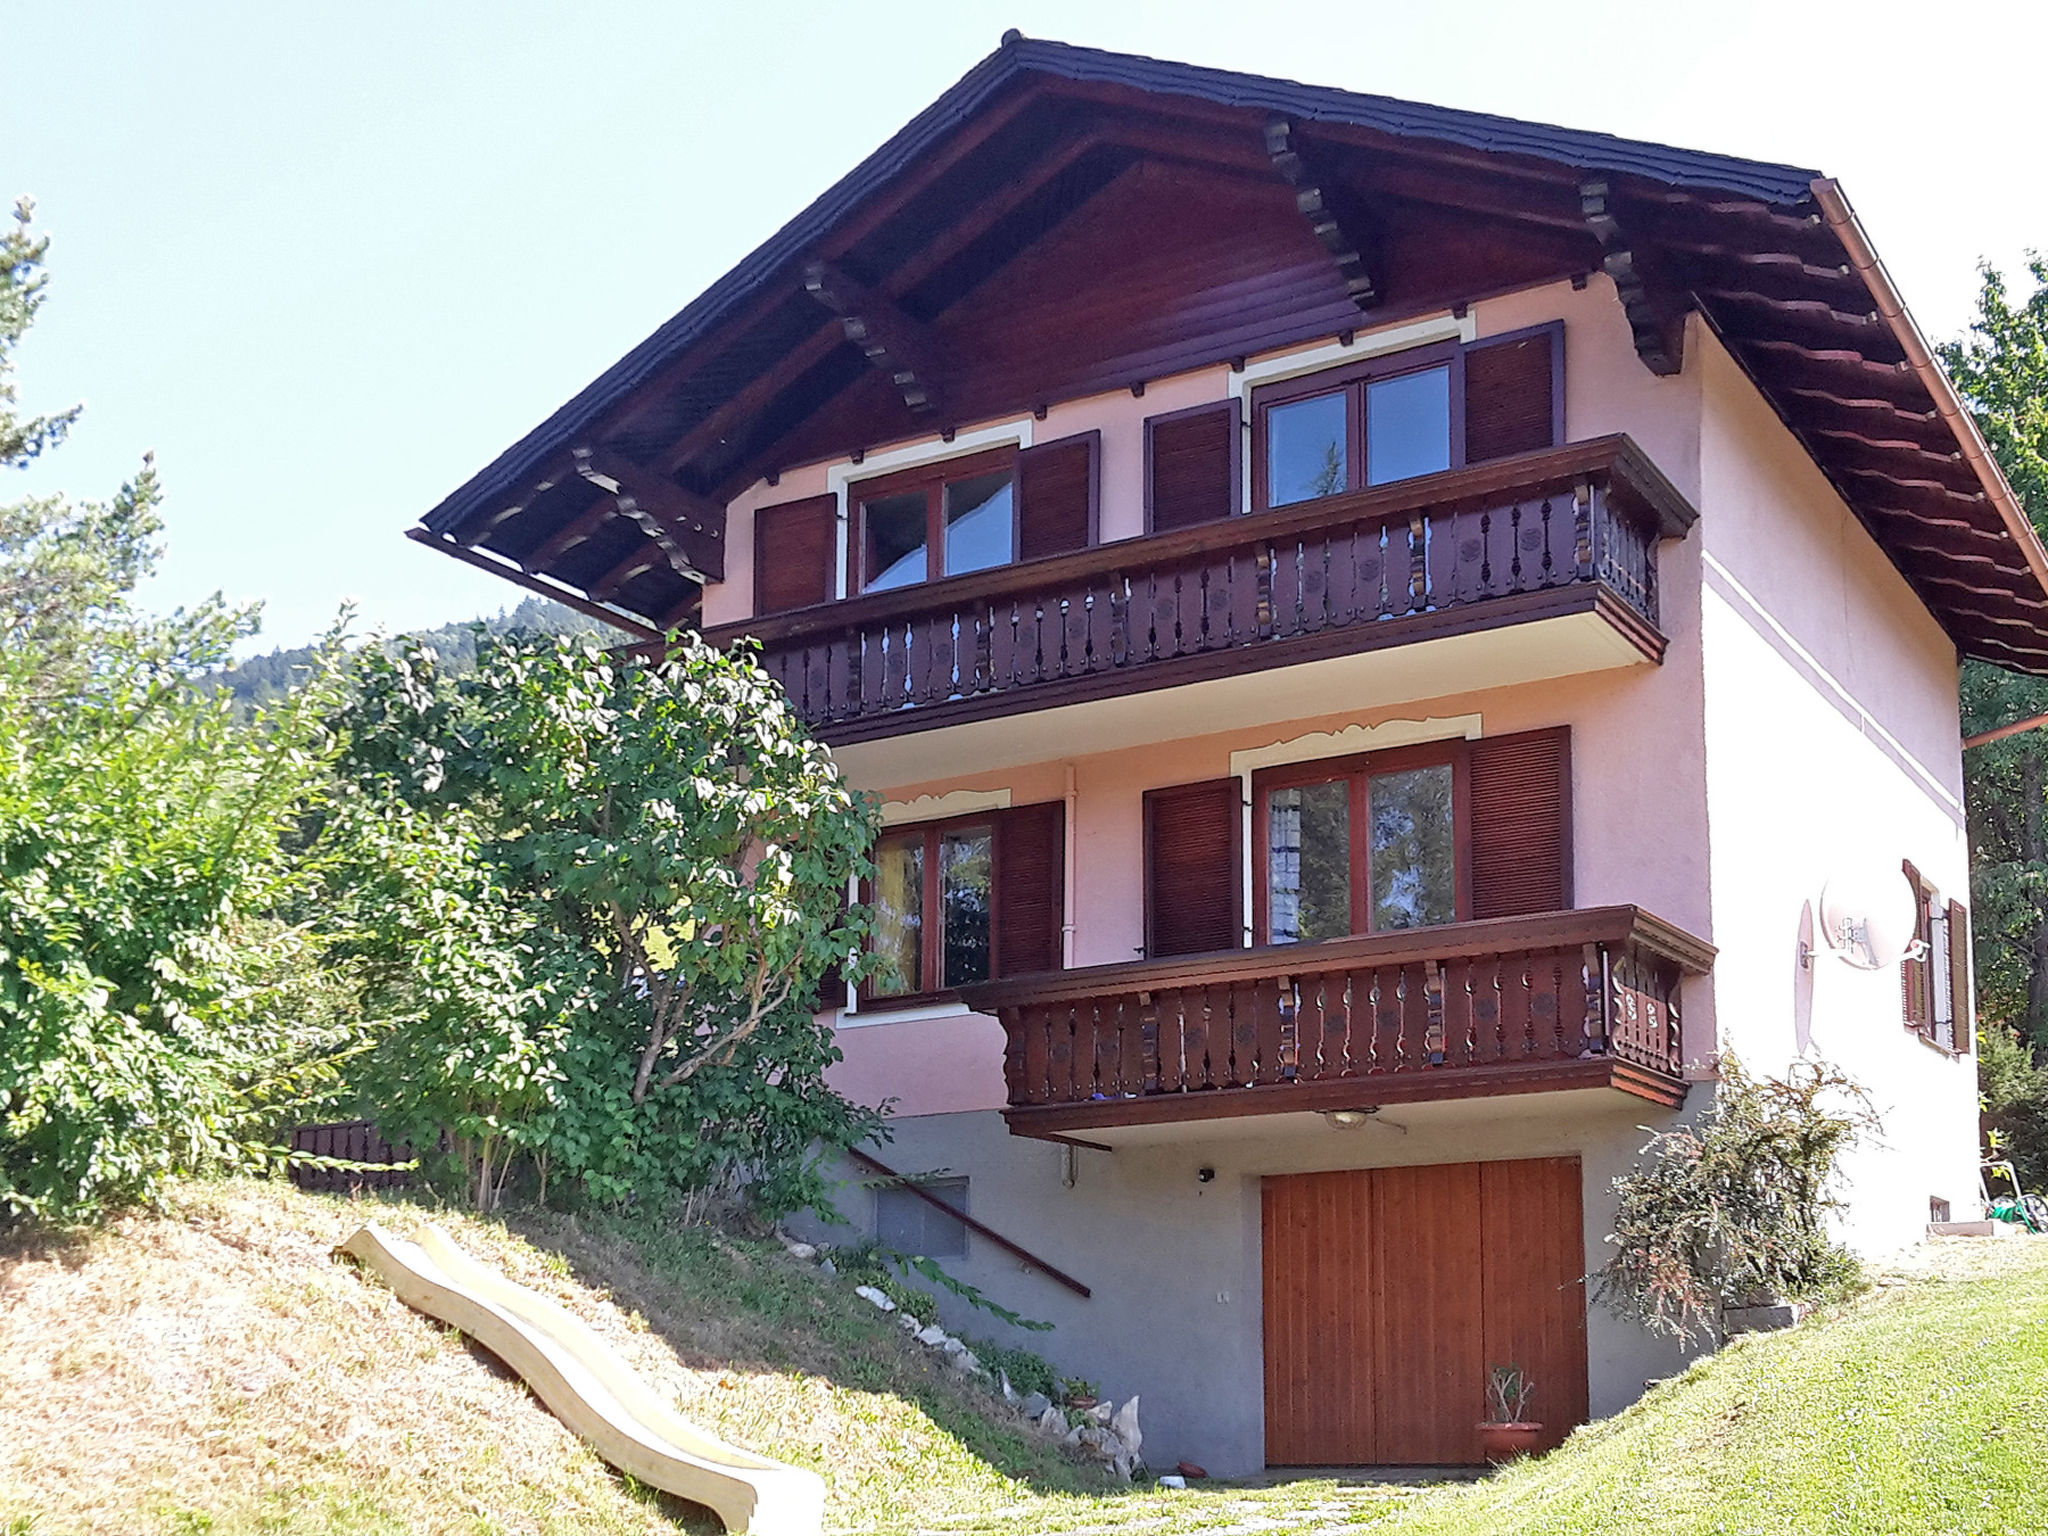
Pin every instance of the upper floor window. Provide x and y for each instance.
(1371, 423)
(936, 520)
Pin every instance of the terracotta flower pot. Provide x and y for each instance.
(1504, 1442)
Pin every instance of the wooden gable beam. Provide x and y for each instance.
(1658, 326)
(1334, 217)
(892, 341)
(688, 529)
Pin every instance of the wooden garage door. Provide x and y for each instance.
(1388, 1293)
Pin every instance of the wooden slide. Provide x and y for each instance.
(590, 1389)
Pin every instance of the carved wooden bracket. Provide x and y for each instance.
(892, 341)
(1657, 323)
(688, 530)
(1345, 230)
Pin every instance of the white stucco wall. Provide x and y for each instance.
(1832, 743)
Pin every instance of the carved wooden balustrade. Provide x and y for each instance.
(1583, 998)
(1562, 531)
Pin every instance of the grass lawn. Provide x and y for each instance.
(213, 1369)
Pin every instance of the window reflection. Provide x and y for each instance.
(1306, 450)
(1414, 879)
(898, 916)
(979, 525)
(964, 883)
(895, 533)
(1408, 426)
(1308, 852)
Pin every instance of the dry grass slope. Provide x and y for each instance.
(215, 1369)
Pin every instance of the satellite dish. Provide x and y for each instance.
(1870, 917)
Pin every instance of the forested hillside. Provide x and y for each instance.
(265, 679)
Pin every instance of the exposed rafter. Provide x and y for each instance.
(554, 591)
(689, 530)
(1658, 326)
(1344, 229)
(892, 341)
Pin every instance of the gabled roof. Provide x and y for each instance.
(1026, 162)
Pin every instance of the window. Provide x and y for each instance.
(937, 520)
(911, 1224)
(1935, 983)
(1360, 845)
(1386, 419)
(960, 901)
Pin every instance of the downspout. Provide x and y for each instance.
(1067, 881)
(1842, 220)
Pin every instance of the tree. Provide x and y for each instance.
(670, 852)
(160, 1011)
(2002, 371)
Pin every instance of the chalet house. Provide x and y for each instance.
(1373, 626)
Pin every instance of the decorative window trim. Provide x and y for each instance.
(1350, 740)
(954, 802)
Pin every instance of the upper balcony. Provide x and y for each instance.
(1566, 537)
(1582, 999)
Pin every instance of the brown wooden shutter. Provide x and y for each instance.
(1919, 1011)
(1192, 466)
(1030, 888)
(1193, 882)
(1521, 796)
(1511, 394)
(796, 554)
(1959, 974)
(1058, 485)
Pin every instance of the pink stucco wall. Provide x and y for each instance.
(1807, 698)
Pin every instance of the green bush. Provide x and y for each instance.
(1734, 1206)
(1028, 1372)
(596, 901)
(2013, 1089)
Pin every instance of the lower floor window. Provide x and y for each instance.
(1347, 849)
(968, 899)
(938, 882)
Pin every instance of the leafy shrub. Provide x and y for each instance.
(2013, 1088)
(1028, 1372)
(608, 898)
(164, 1007)
(1734, 1206)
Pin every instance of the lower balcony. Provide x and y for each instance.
(1559, 1000)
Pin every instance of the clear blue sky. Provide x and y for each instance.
(328, 260)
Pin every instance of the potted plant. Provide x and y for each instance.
(1078, 1392)
(1506, 1433)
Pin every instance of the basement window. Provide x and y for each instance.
(910, 1224)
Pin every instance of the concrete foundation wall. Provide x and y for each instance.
(1174, 1262)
